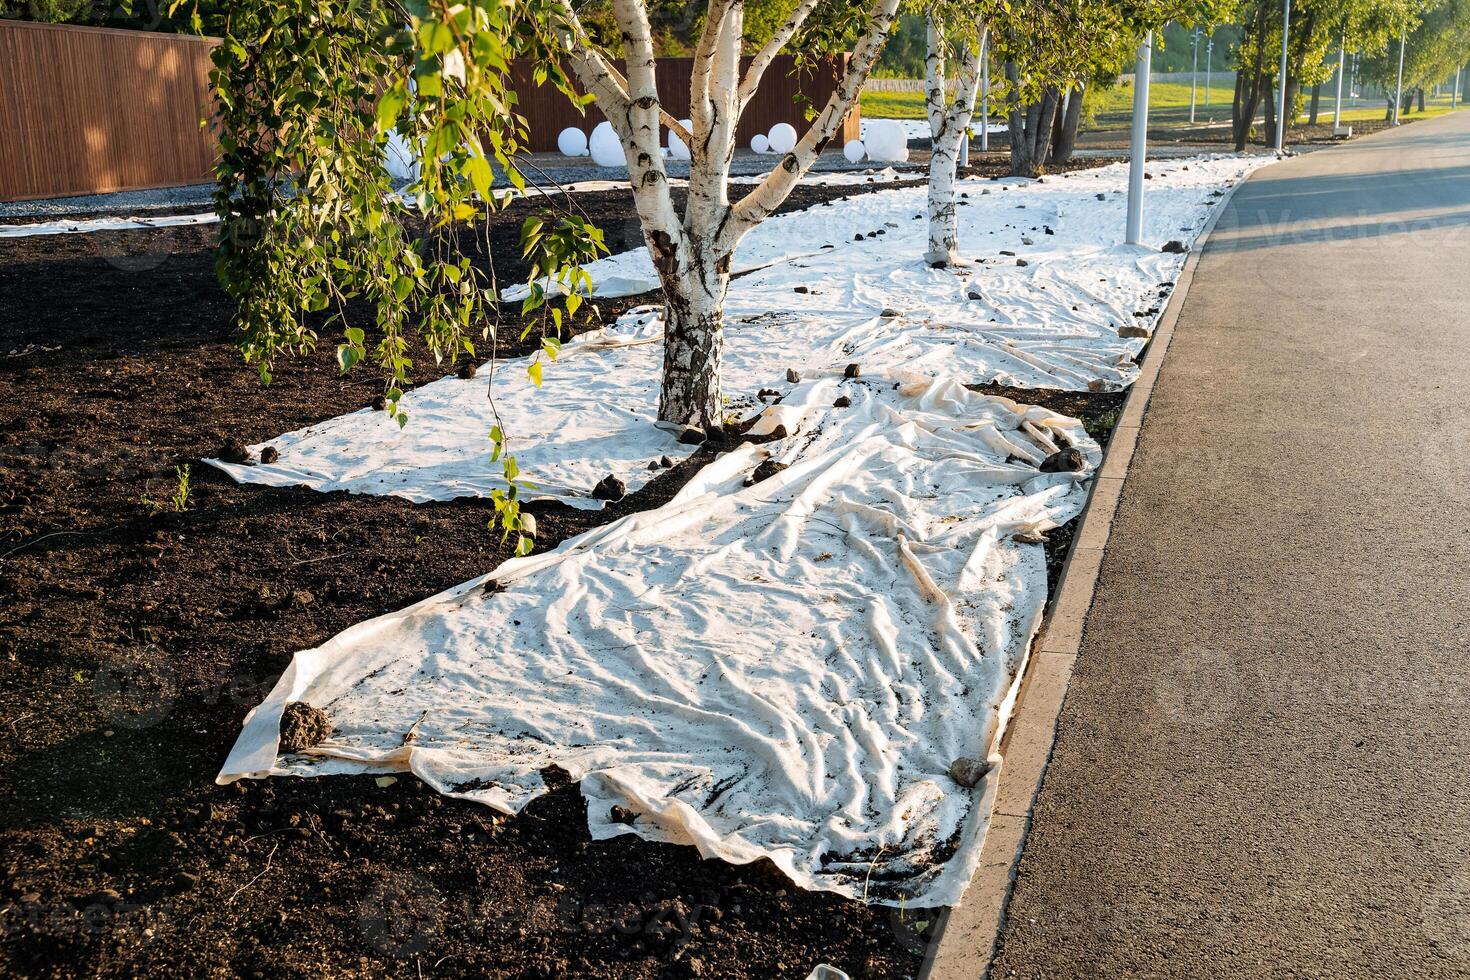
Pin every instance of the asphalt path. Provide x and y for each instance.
(1263, 761)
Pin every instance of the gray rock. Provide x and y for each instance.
(968, 771)
(1065, 461)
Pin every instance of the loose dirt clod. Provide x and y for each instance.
(692, 435)
(1134, 330)
(853, 371)
(793, 376)
(889, 313)
(269, 455)
(665, 462)
(234, 451)
(466, 371)
(766, 470)
(842, 402)
(610, 488)
(621, 814)
(1175, 247)
(303, 726)
(1065, 461)
(380, 403)
(968, 771)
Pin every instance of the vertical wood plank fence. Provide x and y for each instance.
(87, 110)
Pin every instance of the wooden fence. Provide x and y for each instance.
(85, 110)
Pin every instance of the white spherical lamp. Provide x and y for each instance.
(886, 141)
(572, 142)
(782, 138)
(677, 149)
(607, 149)
(854, 151)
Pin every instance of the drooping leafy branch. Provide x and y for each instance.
(317, 235)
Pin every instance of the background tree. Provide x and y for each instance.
(1435, 46)
(1317, 28)
(1051, 49)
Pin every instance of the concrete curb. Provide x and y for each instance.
(965, 939)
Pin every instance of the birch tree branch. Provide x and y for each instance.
(645, 156)
(602, 79)
(768, 195)
(763, 58)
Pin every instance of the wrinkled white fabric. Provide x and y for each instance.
(783, 670)
(86, 225)
(1051, 323)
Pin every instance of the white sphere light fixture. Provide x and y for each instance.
(887, 142)
(782, 138)
(854, 151)
(572, 142)
(607, 149)
(677, 149)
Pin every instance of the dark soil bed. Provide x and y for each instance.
(132, 643)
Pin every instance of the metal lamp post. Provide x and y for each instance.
(985, 94)
(1341, 65)
(1138, 146)
(1193, 74)
(1281, 108)
(1209, 57)
(1398, 95)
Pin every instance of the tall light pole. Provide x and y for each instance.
(1398, 95)
(1341, 64)
(1193, 74)
(985, 94)
(1455, 95)
(1281, 108)
(1209, 55)
(1138, 146)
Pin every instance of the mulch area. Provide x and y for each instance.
(133, 642)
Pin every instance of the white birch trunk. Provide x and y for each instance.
(693, 255)
(949, 121)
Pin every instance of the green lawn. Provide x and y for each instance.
(1168, 106)
(893, 105)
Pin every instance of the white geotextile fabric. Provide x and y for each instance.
(104, 224)
(918, 129)
(783, 670)
(1052, 323)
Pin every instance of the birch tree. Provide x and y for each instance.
(949, 121)
(692, 251)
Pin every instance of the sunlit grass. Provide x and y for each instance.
(1168, 105)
